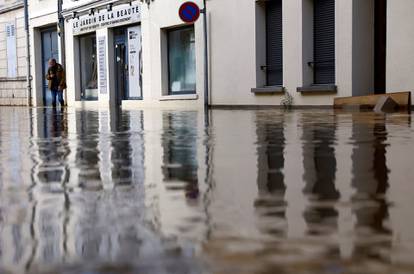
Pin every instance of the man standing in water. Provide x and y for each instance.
(56, 81)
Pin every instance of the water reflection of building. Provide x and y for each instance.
(87, 158)
(15, 206)
(271, 204)
(51, 176)
(257, 197)
(401, 189)
(53, 149)
(371, 184)
(180, 151)
(116, 197)
(320, 168)
(121, 147)
(66, 217)
(181, 174)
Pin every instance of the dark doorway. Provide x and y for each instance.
(50, 50)
(121, 61)
(380, 73)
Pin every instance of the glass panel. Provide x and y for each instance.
(50, 49)
(89, 71)
(181, 61)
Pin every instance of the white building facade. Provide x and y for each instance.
(137, 55)
(12, 53)
(132, 54)
(44, 44)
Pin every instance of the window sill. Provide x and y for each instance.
(269, 90)
(179, 97)
(13, 79)
(317, 89)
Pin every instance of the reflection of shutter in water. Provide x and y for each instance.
(274, 43)
(324, 41)
(11, 50)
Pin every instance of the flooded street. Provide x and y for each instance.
(239, 191)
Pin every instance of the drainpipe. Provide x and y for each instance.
(61, 33)
(206, 72)
(28, 63)
(61, 29)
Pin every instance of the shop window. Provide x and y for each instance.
(88, 66)
(181, 61)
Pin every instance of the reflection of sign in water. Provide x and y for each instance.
(135, 62)
(102, 64)
(120, 15)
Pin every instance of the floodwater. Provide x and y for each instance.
(238, 191)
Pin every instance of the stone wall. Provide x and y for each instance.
(13, 92)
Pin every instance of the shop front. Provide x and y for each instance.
(104, 54)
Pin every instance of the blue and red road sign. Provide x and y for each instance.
(189, 12)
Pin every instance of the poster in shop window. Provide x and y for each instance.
(135, 62)
(102, 64)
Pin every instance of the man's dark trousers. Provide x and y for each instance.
(59, 94)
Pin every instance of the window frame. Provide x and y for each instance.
(82, 97)
(268, 49)
(169, 91)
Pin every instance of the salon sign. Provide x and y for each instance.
(119, 15)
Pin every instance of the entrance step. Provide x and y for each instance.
(402, 99)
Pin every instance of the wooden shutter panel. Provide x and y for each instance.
(324, 42)
(274, 43)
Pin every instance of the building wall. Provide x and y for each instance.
(155, 21)
(236, 46)
(363, 47)
(400, 54)
(233, 63)
(42, 14)
(12, 89)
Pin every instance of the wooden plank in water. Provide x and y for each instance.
(403, 99)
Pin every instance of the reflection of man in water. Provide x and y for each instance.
(56, 81)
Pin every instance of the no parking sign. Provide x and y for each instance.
(189, 12)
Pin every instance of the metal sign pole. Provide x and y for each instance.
(189, 12)
(206, 66)
(61, 33)
(28, 65)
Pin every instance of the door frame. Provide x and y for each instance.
(380, 46)
(118, 96)
(42, 31)
(79, 58)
